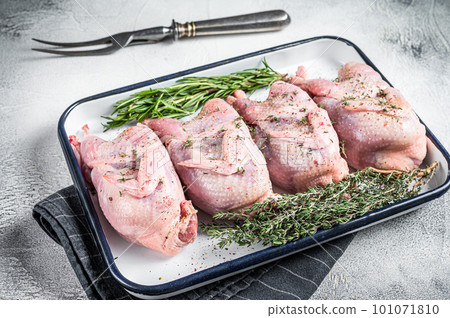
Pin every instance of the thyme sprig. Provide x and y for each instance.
(188, 95)
(286, 218)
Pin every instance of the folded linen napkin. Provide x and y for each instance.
(295, 277)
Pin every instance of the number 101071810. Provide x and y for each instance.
(405, 309)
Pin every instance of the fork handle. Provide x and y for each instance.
(248, 23)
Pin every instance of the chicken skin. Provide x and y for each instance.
(216, 158)
(376, 123)
(296, 137)
(138, 190)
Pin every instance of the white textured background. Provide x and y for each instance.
(406, 258)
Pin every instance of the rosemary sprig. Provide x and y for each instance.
(188, 95)
(286, 218)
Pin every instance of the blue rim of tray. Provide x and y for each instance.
(253, 259)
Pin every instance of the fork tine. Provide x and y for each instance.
(105, 40)
(106, 50)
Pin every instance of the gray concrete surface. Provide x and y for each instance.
(406, 258)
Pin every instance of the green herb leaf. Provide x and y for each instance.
(287, 217)
(188, 95)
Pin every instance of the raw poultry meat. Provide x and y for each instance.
(138, 190)
(296, 137)
(376, 123)
(216, 158)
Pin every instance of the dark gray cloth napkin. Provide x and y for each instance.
(295, 277)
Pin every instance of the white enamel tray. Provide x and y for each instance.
(149, 274)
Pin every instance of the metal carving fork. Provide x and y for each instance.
(255, 22)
